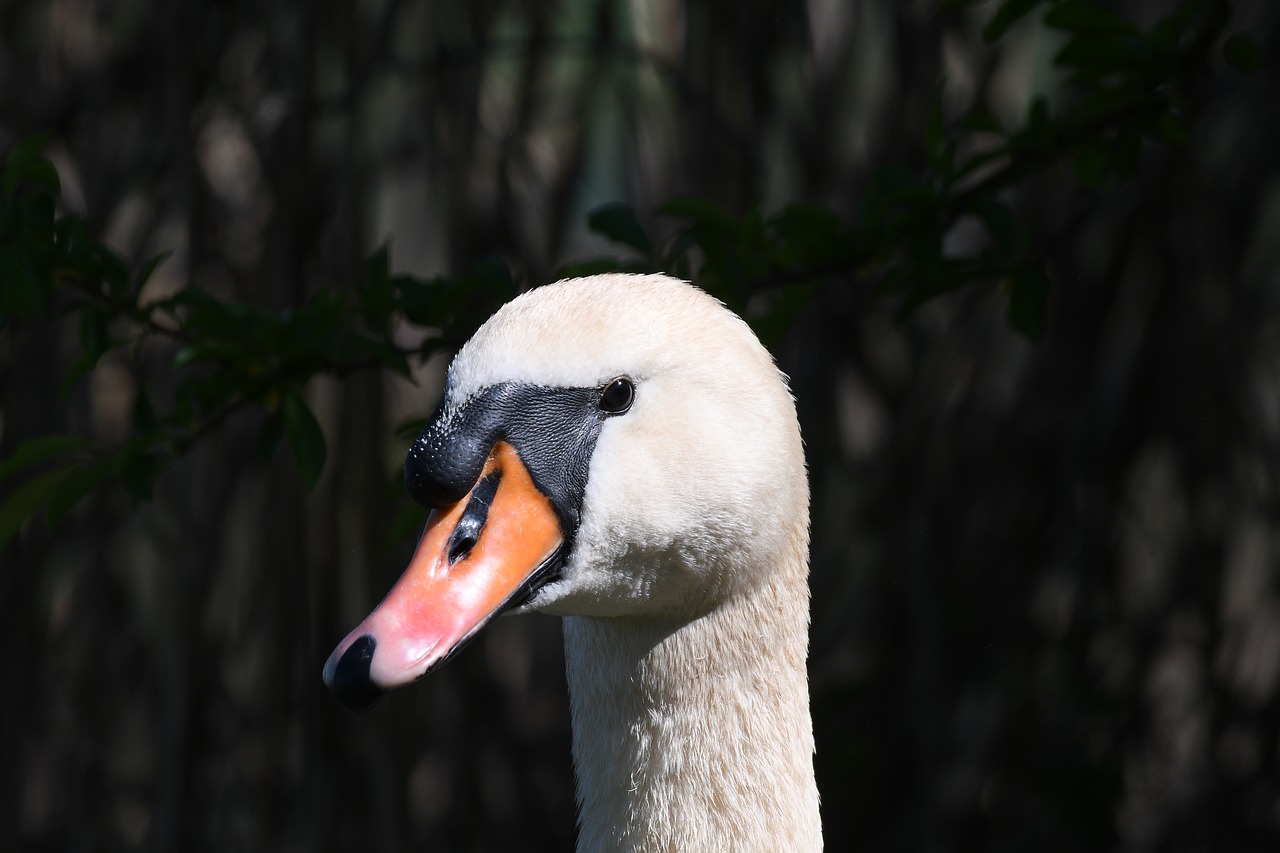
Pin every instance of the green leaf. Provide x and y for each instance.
(1029, 302)
(39, 450)
(1009, 13)
(270, 433)
(1107, 105)
(144, 413)
(618, 223)
(377, 265)
(148, 269)
(1000, 221)
(1171, 30)
(783, 309)
(216, 352)
(306, 439)
(1083, 17)
(939, 146)
(491, 273)
(981, 120)
(377, 289)
(1170, 129)
(22, 504)
(1095, 56)
(1242, 54)
(1126, 152)
(94, 335)
(79, 368)
(421, 301)
(111, 269)
(27, 165)
(77, 483)
(703, 213)
(139, 467)
(809, 235)
(26, 288)
(1037, 134)
(596, 266)
(935, 131)
(1093, 162)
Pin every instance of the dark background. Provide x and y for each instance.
(1046, 612)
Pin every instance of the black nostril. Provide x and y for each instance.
(467, 532)
(351, 683)
(460, 546)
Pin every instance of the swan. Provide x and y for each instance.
(621, 451)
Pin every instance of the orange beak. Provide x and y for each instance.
(475, 558)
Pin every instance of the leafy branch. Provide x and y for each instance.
(230, 356)
(1126, 90)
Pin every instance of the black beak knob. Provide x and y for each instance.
(350, 680)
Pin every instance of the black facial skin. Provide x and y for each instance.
(554, 432)
(467, 531)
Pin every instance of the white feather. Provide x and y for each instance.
(686, 593)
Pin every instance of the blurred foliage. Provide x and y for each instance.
(1128, 87)
(233, 355)
(1018, 259)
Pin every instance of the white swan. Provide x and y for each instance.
(622, 451)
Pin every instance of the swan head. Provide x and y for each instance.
(611, 446)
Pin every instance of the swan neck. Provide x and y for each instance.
(695, 735)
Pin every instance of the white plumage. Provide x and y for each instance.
(686, 596)
(668, 525)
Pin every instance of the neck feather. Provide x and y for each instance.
(695, 735)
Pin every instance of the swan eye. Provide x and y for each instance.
(617, 396)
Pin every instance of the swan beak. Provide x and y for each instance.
(476, 558)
